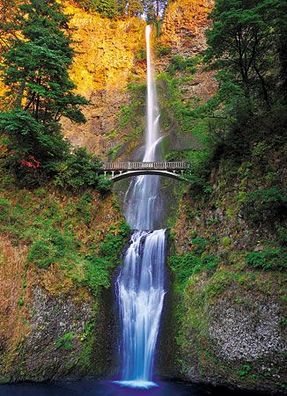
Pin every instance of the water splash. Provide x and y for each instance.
(140, 284)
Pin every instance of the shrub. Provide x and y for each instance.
(104, 185)
(181, 63)
(162, 50)
(53, 247)
(97, 268)
(4, 208)
(186, 265)
(282, 235)
(266, 204)
(226, 241)
(42, 253)
(107, 8)
(97, 273)
(80, 171)
(268, 260)
(199, 245)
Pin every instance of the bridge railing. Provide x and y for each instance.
(133, 165)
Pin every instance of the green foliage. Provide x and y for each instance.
(186, 265)
(107, 8)
(80, 171)
(193, 131)
(141, 55)
(88, 340)
(271, 259)
(60, 229)
(130, 120)
(66, 341)
(162, 51)
(226, 241)
(97, 268)
(282, 235)
(265, 204)
(199, 245)
(245, 370)
(114, 8)
(54, 247)
(247, 115)
(244, 40)
(4, 208)
(181, 63)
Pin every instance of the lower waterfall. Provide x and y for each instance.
(141, 294)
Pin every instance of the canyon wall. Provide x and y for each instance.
(106, 53)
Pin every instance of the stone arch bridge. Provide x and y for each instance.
(116, 171)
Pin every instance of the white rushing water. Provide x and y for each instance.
(142, 203)
(140, 284)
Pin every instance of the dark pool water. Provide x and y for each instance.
(104, 388)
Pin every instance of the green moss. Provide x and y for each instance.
(66, 341)
(199, 245)
(182, 63)
(162, 50)
(56, 230)
(218, 283)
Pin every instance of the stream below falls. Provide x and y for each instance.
(98, 388)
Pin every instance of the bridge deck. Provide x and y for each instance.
(132, 165)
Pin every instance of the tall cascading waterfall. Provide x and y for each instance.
(140, 284)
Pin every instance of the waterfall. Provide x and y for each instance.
(140, 284)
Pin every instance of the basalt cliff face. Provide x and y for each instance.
(105, 62)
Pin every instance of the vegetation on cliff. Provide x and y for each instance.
(229, 259)
(58, 252)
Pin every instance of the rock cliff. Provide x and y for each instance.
(57, 256)
(106, 52)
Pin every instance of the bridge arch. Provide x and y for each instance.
(117, 176)
(116, 171)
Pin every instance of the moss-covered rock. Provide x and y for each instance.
(232, 318)
(58, 253)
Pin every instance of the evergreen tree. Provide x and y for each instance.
(35, 70)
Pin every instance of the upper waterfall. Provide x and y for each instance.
(142, 202)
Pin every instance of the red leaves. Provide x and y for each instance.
(31, 162)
